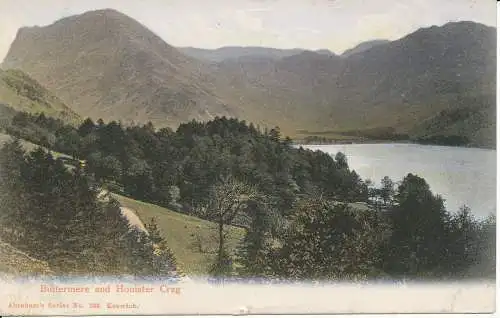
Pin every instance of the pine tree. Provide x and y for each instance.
(164, 256)
(419, 230)
(12, 194)
(254, 251)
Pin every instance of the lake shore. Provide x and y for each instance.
(377, 142)
(462, 175)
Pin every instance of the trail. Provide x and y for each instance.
(133, 219)
(136, 223)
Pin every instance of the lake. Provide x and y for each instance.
(460, 175)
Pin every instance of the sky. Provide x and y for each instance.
(336, 25)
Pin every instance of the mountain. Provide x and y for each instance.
(237, 52)
(20, 92)
(393, 85)
(416, 77)
(105, 64)
(361, 47)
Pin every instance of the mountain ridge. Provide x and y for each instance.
(390, 84)
(235, 52)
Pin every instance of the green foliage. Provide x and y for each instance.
(54, 215)
(21, 92)
(295, 225)
(418, 222)
(149, 163)
(223, 265)
(25, 86)
(330, 241)
(162, 252)
(255, 249)
(228, 201)
(182, 231)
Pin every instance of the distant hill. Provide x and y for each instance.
(20, 92)
(105, 64)
(393, 85)
(363, 47)
(236, 52)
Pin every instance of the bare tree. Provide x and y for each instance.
(228, 200)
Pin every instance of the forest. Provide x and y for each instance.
(301, 209)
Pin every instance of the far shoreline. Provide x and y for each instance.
(388, 142)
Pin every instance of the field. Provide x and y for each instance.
(193, 240)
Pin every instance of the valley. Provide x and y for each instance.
(132, 75)
(222, 163)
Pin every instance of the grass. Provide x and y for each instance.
(192, 240)
(22, 93)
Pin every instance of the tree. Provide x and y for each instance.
(138, 180)
(419, 230)
(275, 134)
(12, 193)
(387, 190)
(487, 248)
(174, 194)
(228, 199)
(463, 250)
(57, 217)
(68, 141)
(330, 241)
(341, 160)
(254, 251)
(164, 257)
(86, 127)
(372, 191)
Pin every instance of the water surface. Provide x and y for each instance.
(460, 175)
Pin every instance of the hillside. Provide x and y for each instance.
(364, 46)
(124, 71)
(471, 117)
(21, 92)
(237, 52)
(105, 64)
(192, 240)
(290, 201)
(13, 262)
(393, 85)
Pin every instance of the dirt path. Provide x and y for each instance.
(133, 219)
(135, 222)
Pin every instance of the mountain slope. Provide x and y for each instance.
(191, 239)
(20, 92)
(236, 52)
(17, 263)
(393, 85)
(472, 117)
(364, 46)
(104, 63)
(419, 75)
